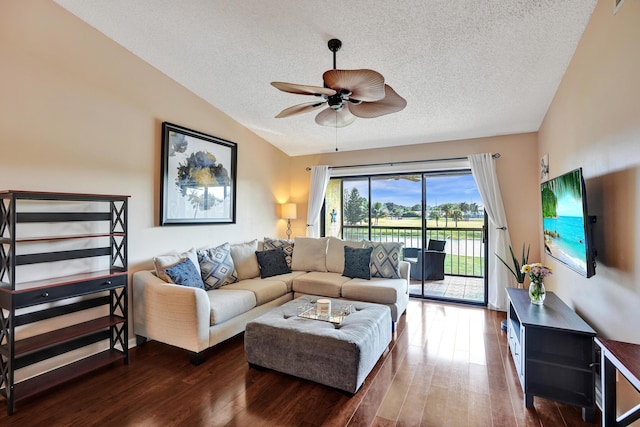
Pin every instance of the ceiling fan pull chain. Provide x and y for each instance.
(336, 131)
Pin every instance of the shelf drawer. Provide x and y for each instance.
(55, 293)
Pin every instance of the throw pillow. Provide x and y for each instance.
(272, 263)
(385, 259)
(357, 262)
(244, 259)
(310, 254)
(185, 274)
(285, 245)
(216, 266)
(163, 262)
(335, 253)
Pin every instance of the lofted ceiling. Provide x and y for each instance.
(467, 68)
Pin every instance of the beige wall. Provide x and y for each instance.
(594, 122)
(515, 168)
(78, 113)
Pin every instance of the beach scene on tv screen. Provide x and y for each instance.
(563, 220)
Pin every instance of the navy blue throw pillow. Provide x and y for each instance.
(357, 263)
(272, 262)
(185, 273)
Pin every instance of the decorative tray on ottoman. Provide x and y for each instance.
(336, 317)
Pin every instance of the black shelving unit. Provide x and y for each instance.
(106, 287)
(553, 351)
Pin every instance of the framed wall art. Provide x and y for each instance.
(544, 168)
(198, 178)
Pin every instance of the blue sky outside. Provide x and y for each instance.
(440, 189)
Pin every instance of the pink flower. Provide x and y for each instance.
(537, 272)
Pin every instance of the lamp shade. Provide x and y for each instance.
(288, 211)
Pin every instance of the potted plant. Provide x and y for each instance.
(517, 270)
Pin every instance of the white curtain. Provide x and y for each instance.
(319, 180)
(484, 173)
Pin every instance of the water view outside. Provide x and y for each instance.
(389, 208)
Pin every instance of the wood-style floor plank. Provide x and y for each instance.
(447, 365)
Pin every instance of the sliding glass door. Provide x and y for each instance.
(439, 218)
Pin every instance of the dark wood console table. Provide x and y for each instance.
(553, 351)
(624, 357)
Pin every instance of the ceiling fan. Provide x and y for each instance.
(348, 94)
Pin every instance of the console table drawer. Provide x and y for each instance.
(55, 293)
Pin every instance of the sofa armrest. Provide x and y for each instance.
(169, 313)
(405, 269)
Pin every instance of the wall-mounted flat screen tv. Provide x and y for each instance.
(566, 224)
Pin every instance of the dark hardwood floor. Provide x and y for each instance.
(448, 365)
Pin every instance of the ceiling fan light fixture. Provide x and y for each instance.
(335, 102)
(363, 89)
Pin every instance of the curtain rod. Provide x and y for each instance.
(495, 156)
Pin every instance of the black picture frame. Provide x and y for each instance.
(198, 178)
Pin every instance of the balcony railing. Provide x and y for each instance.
(465, 246)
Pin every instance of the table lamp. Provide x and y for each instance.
(288, 212)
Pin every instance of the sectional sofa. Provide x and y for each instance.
(235, 283)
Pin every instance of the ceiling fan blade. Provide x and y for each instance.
(365, 85)
(338, 119)
(303, 89)
(391, 103)
(299, 109)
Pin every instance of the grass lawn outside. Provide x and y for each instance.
(465, 240)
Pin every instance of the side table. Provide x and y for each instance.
(624, 357)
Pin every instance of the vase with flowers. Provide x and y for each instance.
(536, 272)
(516, 270)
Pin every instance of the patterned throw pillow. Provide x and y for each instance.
(357, 262)
(385, 259)
(185, 274)
(161, 263)
(285, 245)
(216, 266)
(272, 263)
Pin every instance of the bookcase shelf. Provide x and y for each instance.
(106, 287)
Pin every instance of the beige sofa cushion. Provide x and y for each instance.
(309, 254)
(317, 283)
(161, 263)
(227, 304)
(265, 290)
(287, 278)
(245, 260)
(379, 290)
(335, 253)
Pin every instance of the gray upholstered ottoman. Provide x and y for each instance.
(339, 356)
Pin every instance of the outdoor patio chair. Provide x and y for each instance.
(433, 266)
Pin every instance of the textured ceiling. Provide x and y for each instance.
(467, 68)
